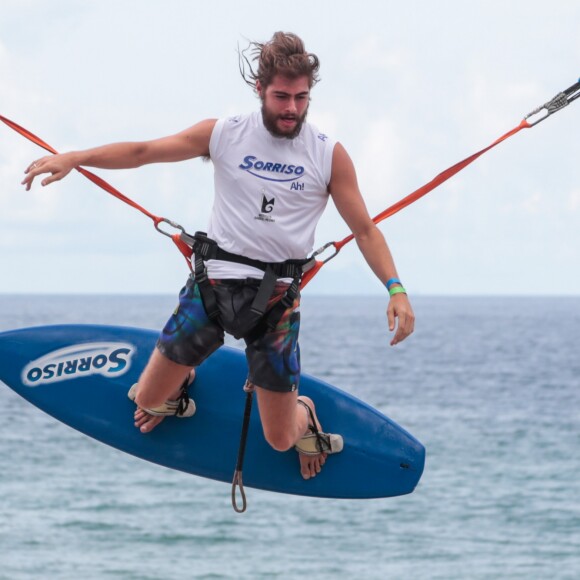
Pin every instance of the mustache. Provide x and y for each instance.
(271, 119)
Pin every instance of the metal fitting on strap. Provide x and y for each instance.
(560, 101)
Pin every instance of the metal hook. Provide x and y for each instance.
(323, 249)
(169, 222)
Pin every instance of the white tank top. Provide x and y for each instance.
(269, 192)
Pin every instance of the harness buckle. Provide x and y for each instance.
(204, 247)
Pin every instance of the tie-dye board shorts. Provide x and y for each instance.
(189, 336)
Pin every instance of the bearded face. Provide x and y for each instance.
(285, 106)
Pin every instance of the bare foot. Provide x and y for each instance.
(311, 465)
(146, 422)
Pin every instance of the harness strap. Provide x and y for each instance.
(208, 249)
(265, 291)
(271, 319)
(207, 293)
(261, 319)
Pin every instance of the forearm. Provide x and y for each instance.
(371, 242)
(114, 156)
(188, 144)
(193, 142)
(377, 254)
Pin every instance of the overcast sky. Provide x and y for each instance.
(409, 88)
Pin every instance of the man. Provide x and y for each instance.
(274, 173)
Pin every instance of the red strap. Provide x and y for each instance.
(183, 248)
(417, 194)
(94, 178)
(186, 250)
(311, 273)
(435, 182)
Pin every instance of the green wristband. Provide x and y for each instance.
(397, 290)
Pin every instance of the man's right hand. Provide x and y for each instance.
(58, 166)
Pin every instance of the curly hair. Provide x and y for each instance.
(284, 54)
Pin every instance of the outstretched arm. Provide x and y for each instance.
(371, 242)
(193, 142)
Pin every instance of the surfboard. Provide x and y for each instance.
(80, 374)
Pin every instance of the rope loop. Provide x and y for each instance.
(237, 483)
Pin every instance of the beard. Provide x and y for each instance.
(271, 123)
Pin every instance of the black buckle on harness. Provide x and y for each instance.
(204, 247)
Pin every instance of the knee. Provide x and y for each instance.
(280, 440)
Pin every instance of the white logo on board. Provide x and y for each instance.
(109, 359)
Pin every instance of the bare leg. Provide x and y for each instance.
(284, 422)
(161, 380)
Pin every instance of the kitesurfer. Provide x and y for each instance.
(274, 173)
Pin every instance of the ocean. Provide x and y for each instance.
(490, 386)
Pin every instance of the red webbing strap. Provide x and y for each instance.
(417, 194)
(436, 182)
(307, 276)
(558, 102)
(183, 248)
(186, 250)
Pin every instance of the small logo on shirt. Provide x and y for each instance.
(270, 170)
(267, 204)
(266, 208)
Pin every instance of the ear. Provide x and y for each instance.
(259, 88)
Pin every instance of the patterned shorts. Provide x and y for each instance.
(189, 336)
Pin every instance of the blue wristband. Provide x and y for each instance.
(391, 282)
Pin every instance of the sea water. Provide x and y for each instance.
(489, 385)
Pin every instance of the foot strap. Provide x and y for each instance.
(182, 407)
(317, 442)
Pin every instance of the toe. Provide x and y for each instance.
(305, 470)
(150, 423)
(311, 466)
(146, 422)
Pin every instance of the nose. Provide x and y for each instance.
(291, 106)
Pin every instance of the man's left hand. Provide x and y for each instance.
(400, 307)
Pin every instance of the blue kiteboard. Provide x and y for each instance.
(80, 374)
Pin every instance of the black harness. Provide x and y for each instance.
(259, 319)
